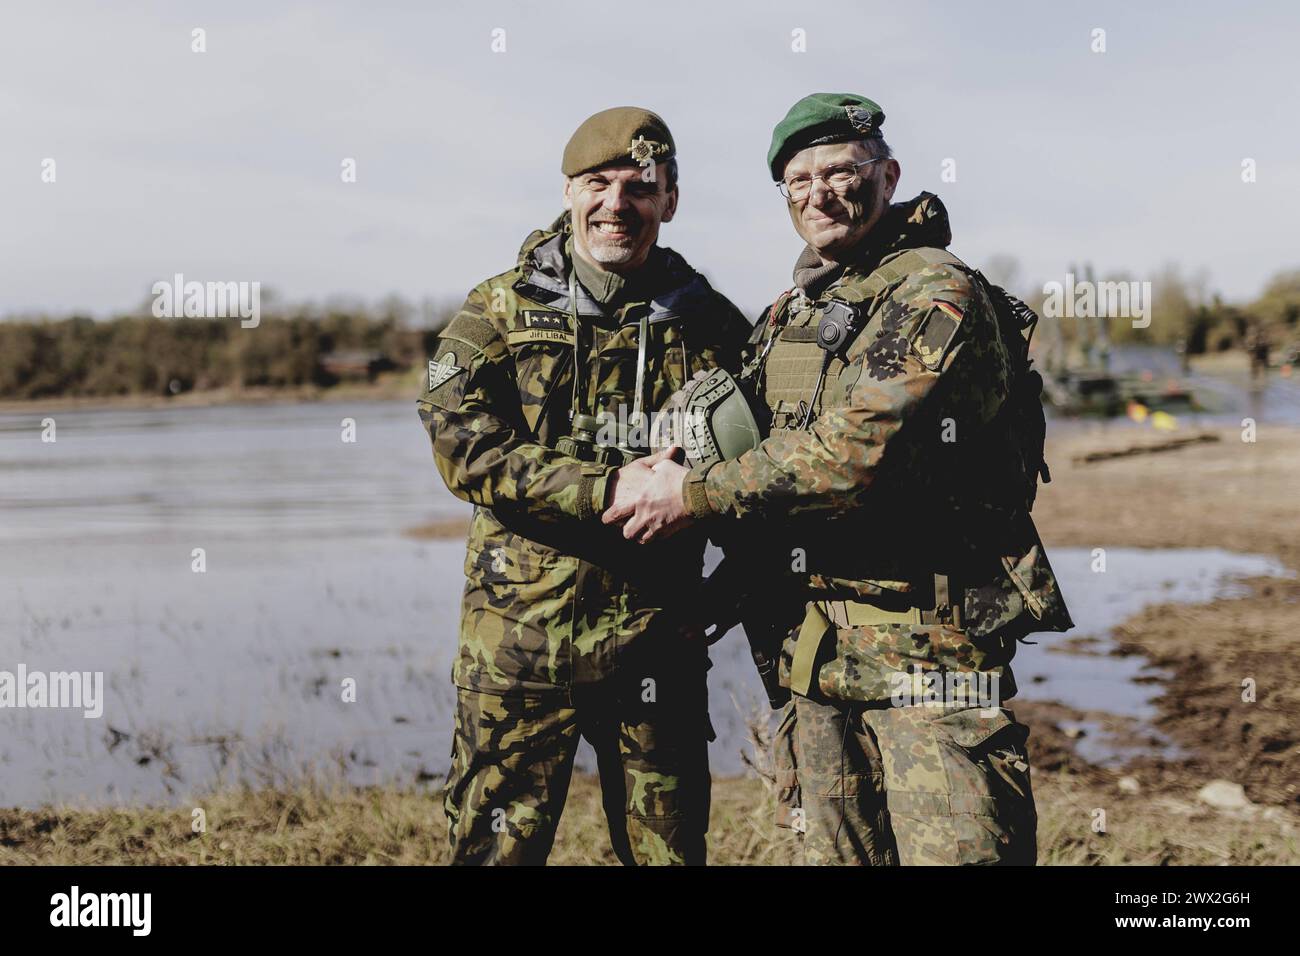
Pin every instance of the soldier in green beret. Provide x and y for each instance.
(536, 393)
(899, 472)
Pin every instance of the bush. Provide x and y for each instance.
(137, 355)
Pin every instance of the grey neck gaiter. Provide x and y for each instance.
(812, 275)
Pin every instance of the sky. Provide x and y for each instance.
(226, 165)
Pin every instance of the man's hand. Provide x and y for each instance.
(648, 497)
(628, 484)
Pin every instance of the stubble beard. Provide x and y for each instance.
(606, 250)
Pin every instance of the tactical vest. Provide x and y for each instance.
(794, 366)
(789, 361)
(848, 648)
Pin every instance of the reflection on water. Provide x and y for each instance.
(237, 672)
(1274, 400)
(1134, 578)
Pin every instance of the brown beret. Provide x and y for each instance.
(625, 135)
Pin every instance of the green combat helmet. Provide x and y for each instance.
(710, 419)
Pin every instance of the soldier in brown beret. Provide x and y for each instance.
(536, 393)
(623, 151)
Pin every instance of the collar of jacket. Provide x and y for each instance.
(916, 223)
(544, 277)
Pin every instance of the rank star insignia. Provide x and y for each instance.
(643, 150)
(443, 371)
(859, 118)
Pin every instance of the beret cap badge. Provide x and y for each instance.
(643, 150)
(859, 118)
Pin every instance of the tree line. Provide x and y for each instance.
(141, 355)
(138, 354)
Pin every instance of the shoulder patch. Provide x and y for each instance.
(936, 332)
(954, 312)
(443, 370)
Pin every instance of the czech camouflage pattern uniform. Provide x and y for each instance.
(920, 564)
(568, 630)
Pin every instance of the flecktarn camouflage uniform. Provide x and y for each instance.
(566, 629)
(924, 563)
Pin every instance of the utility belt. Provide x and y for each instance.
(824, 617)
(944, 610)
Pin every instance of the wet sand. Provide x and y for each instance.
(1229, 494)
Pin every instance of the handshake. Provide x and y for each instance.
(711, 421)
(647, 497)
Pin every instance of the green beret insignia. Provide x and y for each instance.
(860, 119)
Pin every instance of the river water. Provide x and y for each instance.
(1221, 400)
(235, 673)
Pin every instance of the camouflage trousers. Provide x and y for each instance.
(512, 761)
(884, 786)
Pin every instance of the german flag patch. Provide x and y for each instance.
(951, 309)
(936, 333)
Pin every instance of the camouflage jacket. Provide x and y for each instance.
(553, 597)
(902, 473)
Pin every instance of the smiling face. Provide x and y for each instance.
(617, 214)
(834, 223)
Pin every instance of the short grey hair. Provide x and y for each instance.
(878, 148)
(670, 174)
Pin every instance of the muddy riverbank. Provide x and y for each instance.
(1227, 672)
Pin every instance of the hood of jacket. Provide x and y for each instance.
(915, 223)
(669, 287)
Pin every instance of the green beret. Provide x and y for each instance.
(823, 118)
(624, 135)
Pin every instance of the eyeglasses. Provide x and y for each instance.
(839, 177)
